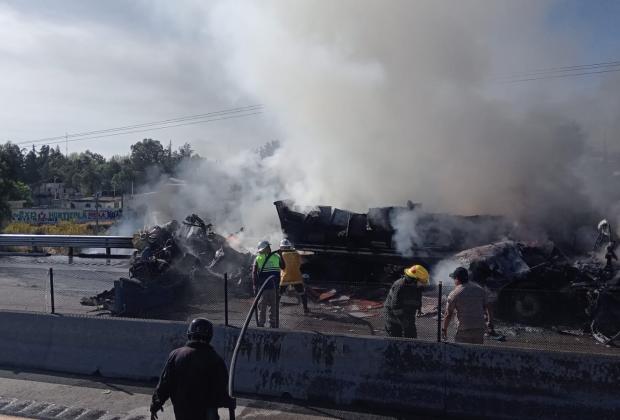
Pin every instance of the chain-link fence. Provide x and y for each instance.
(583, 319)
(561, 319)
(55, 284)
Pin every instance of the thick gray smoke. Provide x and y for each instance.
(235, 195)
(382, 102)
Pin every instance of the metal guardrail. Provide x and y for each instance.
(69, 241)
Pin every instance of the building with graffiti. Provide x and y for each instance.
(43, 215)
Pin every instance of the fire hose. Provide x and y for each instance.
(233, 360)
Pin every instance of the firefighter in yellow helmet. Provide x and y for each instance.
(403, 302)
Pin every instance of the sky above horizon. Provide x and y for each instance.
(74, 66)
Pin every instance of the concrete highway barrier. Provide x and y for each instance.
(356, 372)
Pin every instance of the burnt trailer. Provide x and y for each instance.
(345, 246)
(174, 265)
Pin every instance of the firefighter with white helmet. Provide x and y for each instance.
(403, 302)
(290, 272)
(266, 265)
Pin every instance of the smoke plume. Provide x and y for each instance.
(378, 103)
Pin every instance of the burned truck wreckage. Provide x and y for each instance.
(528, 283)
(532, 283)
(374, 246)
(538, 284)
(173, 264)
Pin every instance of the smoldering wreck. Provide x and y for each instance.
(534, 283)
(171, 265)
(529, 282)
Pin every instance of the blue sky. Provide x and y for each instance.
(596, 21)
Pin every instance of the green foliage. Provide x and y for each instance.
(4, 192)
(61, 228)
(23, 170)
(20, 191)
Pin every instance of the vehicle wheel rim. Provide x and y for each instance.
(527, 306)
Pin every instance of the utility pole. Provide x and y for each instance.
(97, 213)
(66, 144)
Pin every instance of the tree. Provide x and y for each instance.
(31, 168)
(13, 160)
(57, 166)
(43, 163)
(23, 170)
(89, 174)
(4, 193)
(146, 154)
(268, 149)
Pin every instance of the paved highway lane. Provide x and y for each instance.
(47, 395)
(24, 285)
(24, 282)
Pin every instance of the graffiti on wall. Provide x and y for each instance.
(39, 216)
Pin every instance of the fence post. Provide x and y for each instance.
(439, 312)
(52, 290)
(276, 291)
(226, 299)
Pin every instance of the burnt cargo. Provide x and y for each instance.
(424, 237)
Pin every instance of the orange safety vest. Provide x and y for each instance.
(292, 269)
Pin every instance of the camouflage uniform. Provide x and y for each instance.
(401, 306)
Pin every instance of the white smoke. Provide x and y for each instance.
(406, 237)
(235, 195)
(380, 103)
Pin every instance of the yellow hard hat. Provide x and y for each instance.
(417, 272)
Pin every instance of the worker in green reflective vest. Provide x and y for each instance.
(266, 265)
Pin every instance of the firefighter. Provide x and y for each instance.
(610, 256)
(195, 378)
(290, 272)
(266, 264)
(403, 301)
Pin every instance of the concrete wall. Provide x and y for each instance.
(376, 373)
(117, 348)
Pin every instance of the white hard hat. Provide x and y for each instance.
(262, 245)
(603, 227)
(286, 244)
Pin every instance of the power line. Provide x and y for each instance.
(156, 128)
(560, 76)
(565, 69)
(66, 137)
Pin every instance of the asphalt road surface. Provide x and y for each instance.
(45, 395)
(24, 285)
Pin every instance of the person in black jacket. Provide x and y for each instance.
(195, 378)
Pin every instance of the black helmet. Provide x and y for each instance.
(200, 329)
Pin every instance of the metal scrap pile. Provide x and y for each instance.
(538, 284)
(169, 260)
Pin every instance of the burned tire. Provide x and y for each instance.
(526, 306)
